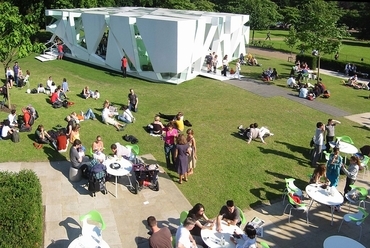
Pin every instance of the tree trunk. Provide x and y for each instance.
(318, 68)
(7, 95)
(252, 35)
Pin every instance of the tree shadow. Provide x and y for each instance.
(298, 182)
(300, 161)
(363, 127)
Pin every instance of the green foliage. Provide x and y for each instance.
(292, 39)
(309, 59)
(21, 215)
(15, 39)
(290, 15)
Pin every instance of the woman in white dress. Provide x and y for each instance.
(192, 157)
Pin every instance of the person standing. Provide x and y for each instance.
(16, 71)
(133, 101)
(160, 237)
(333, 167)
(181, 157)
(170, 133)
(124, 66)
(318, 140)
(214, 63)
(60, 50)
(237, 69)
(330, 134)
(351, 172)
(225, 64)
(192, 158)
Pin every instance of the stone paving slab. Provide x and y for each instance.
(125, 216)
(363, 119)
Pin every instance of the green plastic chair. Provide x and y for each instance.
(291, 188)
(364, 165)
(134, 148)
(296, 206)
(183, 216)
(327, 155)
(242, 216)
(173, 241)
(361, 197)
(357, 218)
(264, 245)
(346, 139)
(90, 229)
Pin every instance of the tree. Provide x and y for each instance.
(15, 42)
(262, 13)
(292, 39)
(317, 28)
(290, 15)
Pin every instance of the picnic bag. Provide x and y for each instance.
(15, 137)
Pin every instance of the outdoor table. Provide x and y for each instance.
(84, 242)
(337, 241)
(345, 148)
(118, 167)
(212, 237)
(318, 194)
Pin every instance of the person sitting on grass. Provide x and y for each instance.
(96, 95)
(156, 127)
(40, 89)
(303, 92)
(86, 93)
(126, 116)
(254, 133)
(291, 82)
(108, 118)
(42, 137)
(6, 130)
(25, 127)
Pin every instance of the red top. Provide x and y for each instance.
(124, 62)
(54, 97)
(26, 118)
(62, 142)
(60, 48)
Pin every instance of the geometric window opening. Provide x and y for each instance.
(80, 32)
(208, 28)
(130, 64)
(101, 50)
(144, 59)
(170, 75)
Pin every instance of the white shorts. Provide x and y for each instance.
(111, 121)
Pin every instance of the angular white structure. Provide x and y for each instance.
(161, 45)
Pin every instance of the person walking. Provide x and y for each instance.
(124, 66)
(225, 64)
(268, 36)
(237, 69)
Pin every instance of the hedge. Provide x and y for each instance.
(329, 64)
(21, 215)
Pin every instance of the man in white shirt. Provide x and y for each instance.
(12, 117)
(126, 115)
(291, 82)
(49, 82)
(183, 237)
(6, 131)
(318, 143)
(107, 118)
(120, 150)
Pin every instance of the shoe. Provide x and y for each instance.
(35, 144)
(271, 134)
(185, 179)
(39, 146)
(240, 127)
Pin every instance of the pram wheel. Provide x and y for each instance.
(136, 187)
(156, 186)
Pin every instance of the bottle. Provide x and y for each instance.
(222, 241)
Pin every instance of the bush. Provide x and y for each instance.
(21, 215)
(309, 59)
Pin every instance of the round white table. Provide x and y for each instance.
(82, 242)
(337, 241)
(318, 194)
(212, 238)
(345, 148)
(125, 167)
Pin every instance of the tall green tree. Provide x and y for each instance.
(318, 27)
(15, 42)
(290, 15)
(262, 13)
(292, 39)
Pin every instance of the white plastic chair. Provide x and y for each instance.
(90, 230)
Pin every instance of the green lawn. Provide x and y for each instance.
(350, 51)
(227, 168)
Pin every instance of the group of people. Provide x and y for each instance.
(23, 123)
(350, 69)
(87, 93)
(188, 234)
(253, 132)
(15, 76)
(211, 62)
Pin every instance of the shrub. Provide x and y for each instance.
(309, 59)
(21, 215)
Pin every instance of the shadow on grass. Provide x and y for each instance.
(302, 150)
(363, 127)
(364, 97)
(113, 74)
(300, 161)
(237, 135)
(281, 184)
(356, 43)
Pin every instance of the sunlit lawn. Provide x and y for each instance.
(228, 168)
(350, 51)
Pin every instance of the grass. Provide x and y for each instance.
(227, 168)
(350, 51)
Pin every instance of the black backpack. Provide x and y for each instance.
(31, 121)
(34, 91)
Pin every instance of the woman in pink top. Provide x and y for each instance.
(169, 133)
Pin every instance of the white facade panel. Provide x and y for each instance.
(161, 44)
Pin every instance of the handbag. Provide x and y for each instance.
(94, 185)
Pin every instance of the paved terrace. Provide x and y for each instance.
(126, 215)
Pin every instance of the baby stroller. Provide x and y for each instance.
(96, 179)
(146, 176)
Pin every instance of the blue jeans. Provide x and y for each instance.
(169, 153)
(121, 118)
(132, 107)
(89, 115)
